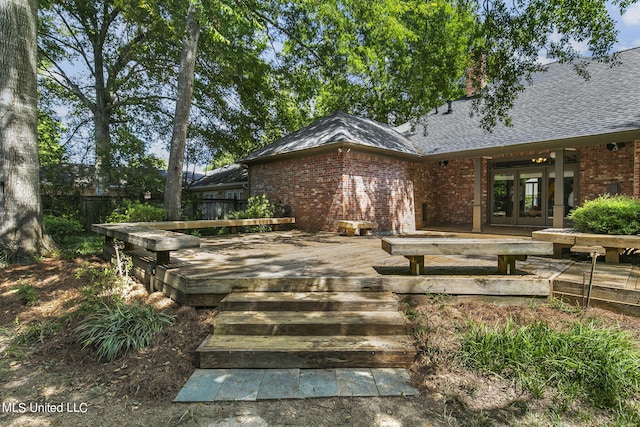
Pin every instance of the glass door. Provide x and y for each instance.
(502, 198)
(531, 199)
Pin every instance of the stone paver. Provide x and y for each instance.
(209, 385)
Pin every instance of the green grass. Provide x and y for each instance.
(601, 366)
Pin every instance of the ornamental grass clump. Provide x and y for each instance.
(114, 330)
(599, 365)
(608, 215)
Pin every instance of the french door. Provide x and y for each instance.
(525, 195)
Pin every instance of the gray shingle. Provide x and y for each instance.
(228, 175)
(338, 127)
(559, 105)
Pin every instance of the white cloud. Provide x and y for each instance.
(632, 15)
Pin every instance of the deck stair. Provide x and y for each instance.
(308, 330)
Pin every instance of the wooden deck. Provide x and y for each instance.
(294, 261)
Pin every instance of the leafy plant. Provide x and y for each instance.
(61, 227)
(257, 207)
(102, 285)
(601, 365)
(608, 215)
(136, 212)
(27, 294)
(38, 331)
(114, 330)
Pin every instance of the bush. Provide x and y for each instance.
(257, 207)
(608, 215)
(114, 330)
(61, 227)
(136, 212)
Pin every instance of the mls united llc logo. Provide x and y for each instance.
(34, 407)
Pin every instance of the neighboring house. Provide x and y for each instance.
(452, 172)
(73, 179)
(221, 191)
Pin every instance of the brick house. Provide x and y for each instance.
(445, 170)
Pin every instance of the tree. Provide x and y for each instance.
(513, 34)
(391, 60)
(21, 226)
(173, 187)
(394, 60)
(105, 62)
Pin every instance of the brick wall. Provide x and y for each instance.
(447, 191)
(323, 188)
(599, 166)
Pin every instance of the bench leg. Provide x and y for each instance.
(507, 263)
(558, 249)
(350, 232)
(416, 264)
(612, 256)
(162, 257)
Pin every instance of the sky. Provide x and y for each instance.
(629, 27)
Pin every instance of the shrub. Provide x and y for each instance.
(61, 227)
(257, 207)
(608, 215)
(136, 212)
(115, 330)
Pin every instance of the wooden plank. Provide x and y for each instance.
(463, 246)
(314, 323)
(613, 244)
(556, 235)
(228, 351)
(147, 238)
(215, 223)
(605, 293)
(310, 301)
(469, 285)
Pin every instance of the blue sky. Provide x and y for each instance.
(629, 27)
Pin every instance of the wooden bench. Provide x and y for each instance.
(507, 250)
(158, 237)
(352, 227)
(161, 242)
(568, 237)
(232, 224)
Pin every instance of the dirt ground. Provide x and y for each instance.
(53, 381)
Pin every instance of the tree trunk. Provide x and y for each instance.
(21, 229)
(173, 186)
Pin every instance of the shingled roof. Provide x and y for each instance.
(226, 176)
(560, 109)
(338, 128)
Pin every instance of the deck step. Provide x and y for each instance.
(309, 301)
(321, 323)
(264, 352)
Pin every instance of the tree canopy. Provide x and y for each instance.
(266, 67)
